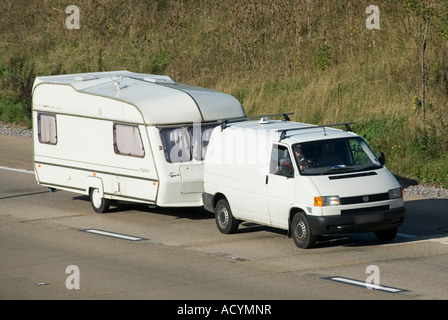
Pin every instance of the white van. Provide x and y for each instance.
(125, 136)
(310, 180)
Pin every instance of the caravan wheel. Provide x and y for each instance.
(99, 204)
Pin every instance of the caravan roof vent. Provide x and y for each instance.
(85, 78)
(159, 80)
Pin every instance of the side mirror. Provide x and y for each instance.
(382, 158)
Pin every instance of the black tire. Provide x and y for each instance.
(301, 232)
(225, 221)
(99, 205)
(386, 235)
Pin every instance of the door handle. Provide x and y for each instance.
(174, 174)
(267, 179)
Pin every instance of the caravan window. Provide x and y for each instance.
(200, 136)
(176, 144)
(182, 144)
(46, 128)
(127, 140)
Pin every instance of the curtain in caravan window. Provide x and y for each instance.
(207, 133)
(200, 136)
(176, 144)
(127, 140)
(46, 124)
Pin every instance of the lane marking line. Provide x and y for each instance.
(16, 170)
(114, 235)
(365, 284)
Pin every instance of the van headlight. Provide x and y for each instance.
(326, 201)
(396, 193)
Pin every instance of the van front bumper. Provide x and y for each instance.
(357, 221)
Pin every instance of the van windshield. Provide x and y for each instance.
(334, 156)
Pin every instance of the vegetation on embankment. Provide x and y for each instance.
(316, 58)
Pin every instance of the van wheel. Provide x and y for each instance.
(386, 235)
(225, 221)
(99, 204)
(301, 233)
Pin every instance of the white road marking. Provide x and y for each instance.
(16, 170)
(366, 285)
(114, 235)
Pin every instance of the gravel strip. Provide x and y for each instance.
(13, 130)
(416, 190)
(426, 191)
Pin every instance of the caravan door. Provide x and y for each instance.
(191, 178)
(186, 146)
(192, 175)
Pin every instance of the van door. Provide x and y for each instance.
(281, 185)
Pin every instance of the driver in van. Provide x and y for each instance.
(301, 161)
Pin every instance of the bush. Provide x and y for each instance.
(12, 112)
(17, 78)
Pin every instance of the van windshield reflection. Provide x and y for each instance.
(334, 156)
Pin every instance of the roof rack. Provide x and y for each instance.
(346, 124)
(284, 115)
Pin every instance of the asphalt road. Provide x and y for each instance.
(47, 251)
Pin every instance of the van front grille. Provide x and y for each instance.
(364, 199)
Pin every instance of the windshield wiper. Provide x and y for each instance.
(372, 167)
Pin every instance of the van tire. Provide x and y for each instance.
(301, 232)
(386, 235)
(99, 204)
(225, 221)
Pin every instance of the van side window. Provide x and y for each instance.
(281, 163)
(46, 128)
(127, 140)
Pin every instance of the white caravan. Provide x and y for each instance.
(125, 136)
(310, 180)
